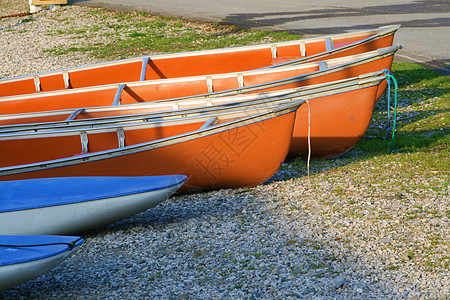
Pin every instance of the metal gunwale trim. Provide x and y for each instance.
(372, 56)
(366, 57)
(377, 33)
(388, 29)
(196, 99)
(149, 145)
(223, 109)
(202, 105)
(112, 87)
(156, 103)
(387, 32)
(56, 93)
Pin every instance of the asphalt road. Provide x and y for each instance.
(424, 35)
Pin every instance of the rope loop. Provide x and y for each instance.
(309, 138)
(391, 80)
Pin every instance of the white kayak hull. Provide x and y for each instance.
(15, 273)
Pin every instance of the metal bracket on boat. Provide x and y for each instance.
(117, 99)
(144, 68)
(329, 44)
(37, 83)
(209, 83)
(302, 48)
(84, 141)
(274, 51)
(175, 106)
(211, 122)
(121, 137)
(66, 79)
(240, 78)
(75, 114)
(322, 65)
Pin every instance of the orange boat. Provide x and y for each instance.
(202, 62)
(219, 151)
(340, 114)
(211, 85)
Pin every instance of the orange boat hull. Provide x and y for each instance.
(201, 62)
(304, 75)
(242, 156)
(337, 123)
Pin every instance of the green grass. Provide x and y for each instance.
(417, 170)
(422, 130)
(138, 33)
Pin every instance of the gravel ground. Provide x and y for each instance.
(337, 236)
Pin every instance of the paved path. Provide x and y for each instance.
(425, 32)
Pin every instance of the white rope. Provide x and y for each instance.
(309, 137)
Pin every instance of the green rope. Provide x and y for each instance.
(391, 80)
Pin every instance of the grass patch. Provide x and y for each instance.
(137, 33)
(415, 178)
(422, 133)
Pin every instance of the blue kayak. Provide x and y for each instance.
(43, 192)
(70, 205)
(24, 257)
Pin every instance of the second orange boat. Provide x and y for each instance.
(216, 151)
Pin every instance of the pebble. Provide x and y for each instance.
(287, 238)
(338, 282)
